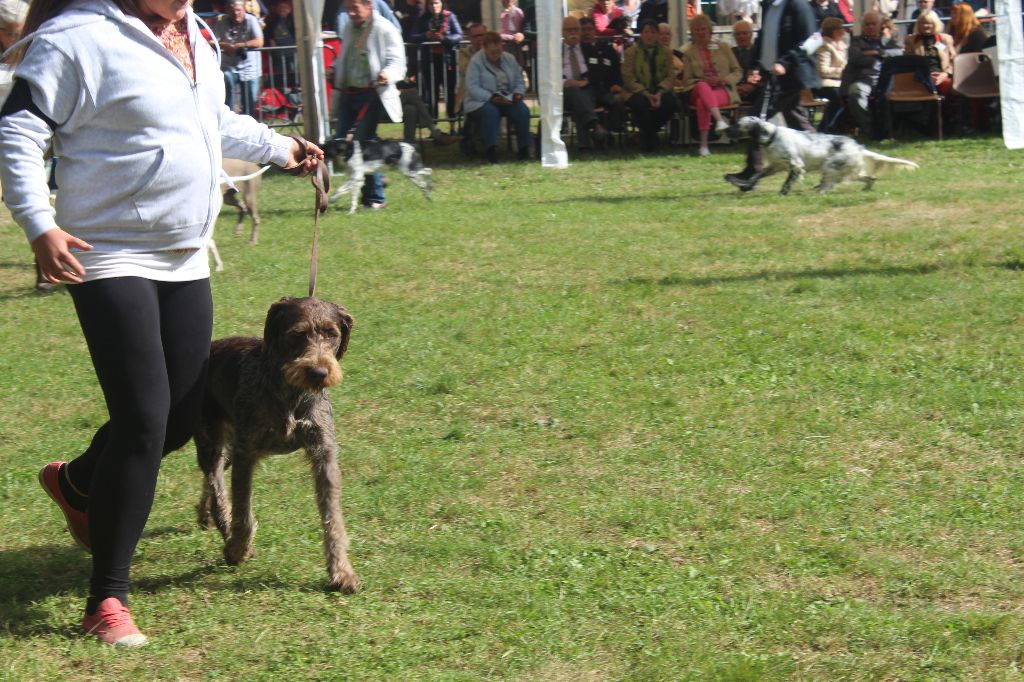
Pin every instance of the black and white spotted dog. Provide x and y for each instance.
(372, 156)
(839, 158)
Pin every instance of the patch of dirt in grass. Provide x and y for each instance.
(573, 671)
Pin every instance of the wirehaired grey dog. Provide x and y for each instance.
(269, 396)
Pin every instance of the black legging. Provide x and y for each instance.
(150, 345)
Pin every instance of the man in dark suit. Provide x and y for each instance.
(784, 48)
(604, 73)
(579, 97)
(743, 35)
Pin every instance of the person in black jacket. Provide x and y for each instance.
(604, 71)
(783, 46)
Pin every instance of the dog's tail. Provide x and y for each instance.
(876, 162)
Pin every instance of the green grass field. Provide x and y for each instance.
(617, 422)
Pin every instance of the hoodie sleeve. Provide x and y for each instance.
(48, 94)
(242, 137)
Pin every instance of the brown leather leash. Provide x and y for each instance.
(321, 179)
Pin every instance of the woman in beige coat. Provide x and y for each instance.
(928, 40)
(832, 59)
(710, 75)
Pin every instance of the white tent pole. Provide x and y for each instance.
(490, 13)
(1010, 50)
(309, 47)
(549, 83)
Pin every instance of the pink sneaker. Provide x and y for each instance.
(112, 623)
(78, 522)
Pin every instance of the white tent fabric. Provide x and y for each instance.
(1010, 48)
(549, 83)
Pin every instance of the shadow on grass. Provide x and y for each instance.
(778, 275)
(30, 575)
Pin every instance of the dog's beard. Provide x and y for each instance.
(313, 373)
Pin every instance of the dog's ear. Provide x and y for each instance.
(277, 320)
(345, 323)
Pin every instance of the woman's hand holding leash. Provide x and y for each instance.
(305, 157)
(53, 253)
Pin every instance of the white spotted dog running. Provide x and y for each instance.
(373, 156)
(840, 159)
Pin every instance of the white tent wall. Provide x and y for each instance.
(1010, 49)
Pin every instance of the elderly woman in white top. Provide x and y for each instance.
(495, 88)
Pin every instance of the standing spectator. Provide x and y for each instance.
(647, 79)
(280, 32)
(239, 34)
(608, 18)
(928, 40)
(653, 10)
(381, 7)
(630, 14)
(141, 139)
(441, 28)
(604, 73)
(494, 89)
(365, 75)
(746, 57)
(864, 63)
(710, 75)
(824, 9)
(578, 96)
(831, 58)
(510, 24)
(783, 47)
(732, 11)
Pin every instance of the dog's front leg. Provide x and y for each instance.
(238, 546)
(327, 477)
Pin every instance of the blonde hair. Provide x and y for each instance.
(12, 13)
(700, 20)
(930, 17)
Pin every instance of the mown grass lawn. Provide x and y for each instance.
(617, 422)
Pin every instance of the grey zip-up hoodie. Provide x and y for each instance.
(139, 143)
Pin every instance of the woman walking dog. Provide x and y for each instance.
(132, 99)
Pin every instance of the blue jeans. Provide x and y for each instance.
(490, 115)
(250, 92)
(360, 111)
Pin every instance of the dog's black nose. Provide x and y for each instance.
(317, 375)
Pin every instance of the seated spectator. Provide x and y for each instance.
(965, 29)
(579, 99)
(746, 57)
(647, 79)
(495, 88)
(239, 34)
(604, 73)
(608, 18)
(863, 64)
(710, 75)
(440, 27)
(831, 57)
(928, 40)
(475, 33)
(665, 40)
(415, 115)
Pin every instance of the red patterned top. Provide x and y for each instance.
(710, 72)
(174, 37)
